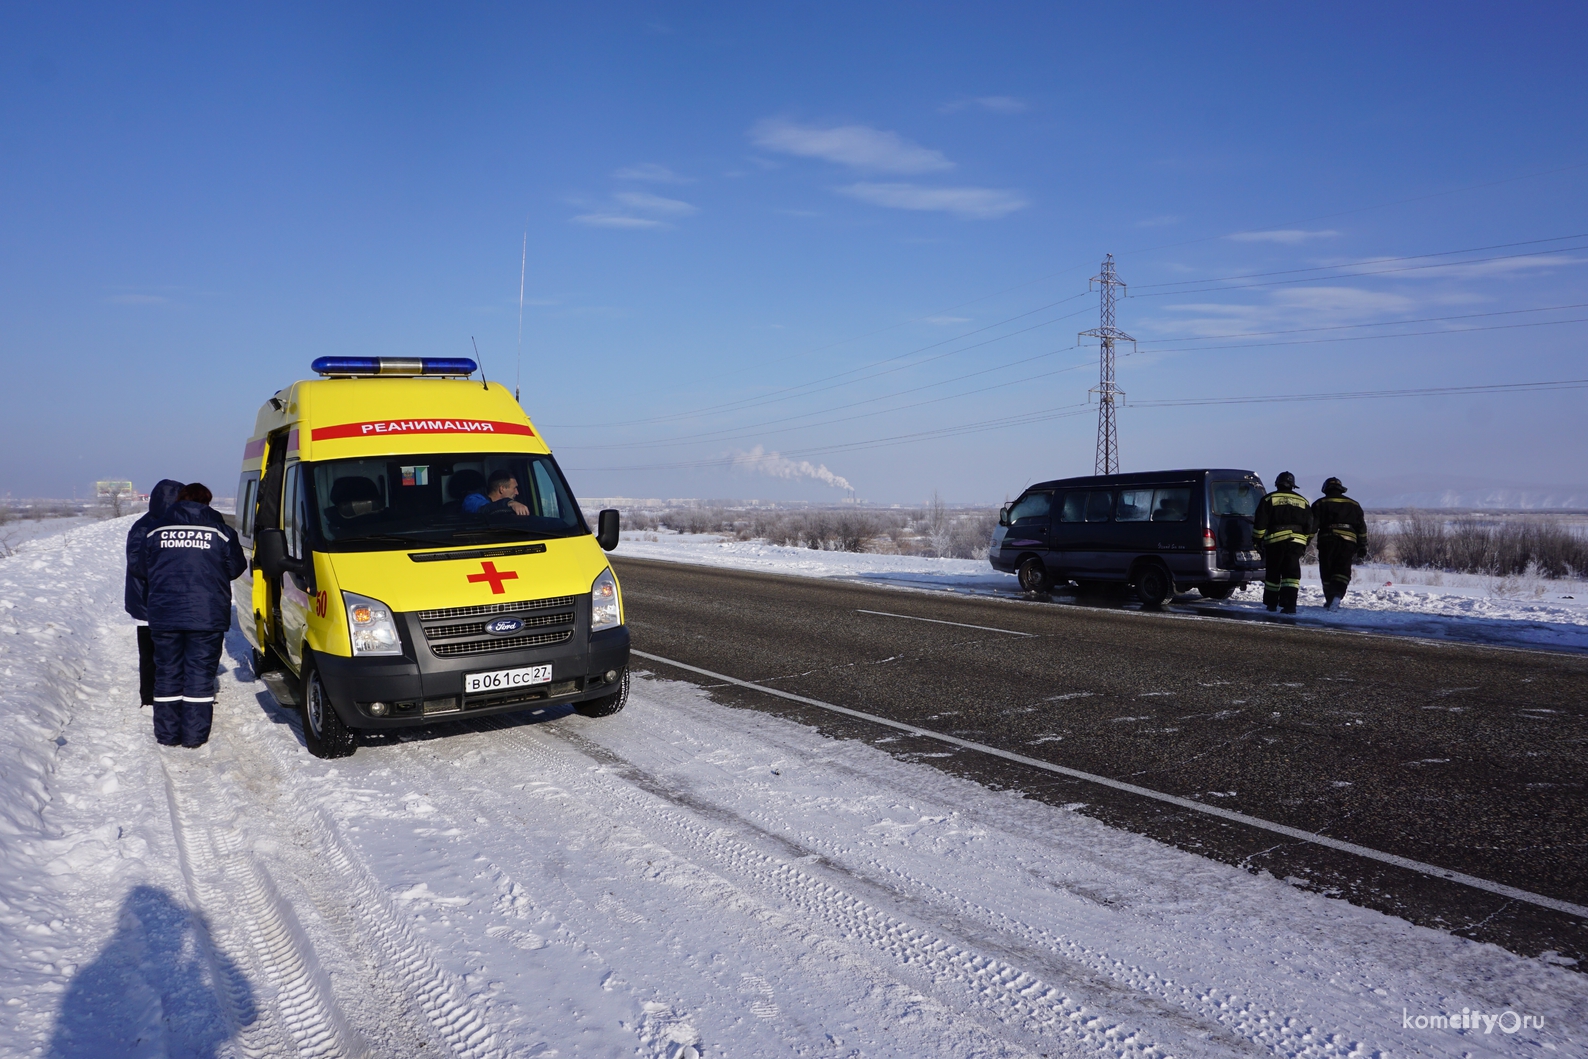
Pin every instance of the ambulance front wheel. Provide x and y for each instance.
(324, 734)
(606, 705)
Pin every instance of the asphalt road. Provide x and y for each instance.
(1469, 758)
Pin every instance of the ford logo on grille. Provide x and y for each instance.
(504, 625)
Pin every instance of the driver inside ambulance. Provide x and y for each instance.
(500, 490)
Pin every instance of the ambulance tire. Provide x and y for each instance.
(606, 705)
(324, 734)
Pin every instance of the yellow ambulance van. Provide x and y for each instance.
(418, 555)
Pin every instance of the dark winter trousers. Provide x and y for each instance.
(145, 666)
(1282, 581)
(184, 684)
(1334, 565)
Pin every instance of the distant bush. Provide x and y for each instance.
(936, 530)
(1500, 548)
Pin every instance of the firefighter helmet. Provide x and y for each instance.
(1285, 482)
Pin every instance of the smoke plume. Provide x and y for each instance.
(759, 461)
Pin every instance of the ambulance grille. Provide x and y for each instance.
(499, 643)
(477, 628)
(484, 609)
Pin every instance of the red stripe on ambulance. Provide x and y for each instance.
(385, 427)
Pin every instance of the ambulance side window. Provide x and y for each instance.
(545, 492)
(291, 517)
(247, 494)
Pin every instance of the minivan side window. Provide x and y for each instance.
(1172, 504)
(1134, 505)
(1099, 505)
(1035, 506)
(1074, 509)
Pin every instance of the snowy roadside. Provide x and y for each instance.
(1516, 612)
(681, 879)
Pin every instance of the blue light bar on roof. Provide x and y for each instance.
(394, 366)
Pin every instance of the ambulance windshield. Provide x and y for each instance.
(379, 501)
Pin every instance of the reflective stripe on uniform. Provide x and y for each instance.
(1272, 586)
(1343, 534)
(1289, 582)
(1288, 498)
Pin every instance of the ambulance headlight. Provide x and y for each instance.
(604, 612)
(371, 627)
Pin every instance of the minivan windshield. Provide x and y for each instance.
(428, 500)
(1236, 498)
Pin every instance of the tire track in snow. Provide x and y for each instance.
(437, 994)
(961, 976)
(228, 884)
(1247, 1020)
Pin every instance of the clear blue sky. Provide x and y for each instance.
(728, 205)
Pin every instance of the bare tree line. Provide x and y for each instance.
(934, 530)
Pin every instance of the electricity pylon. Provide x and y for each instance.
(1107, 334)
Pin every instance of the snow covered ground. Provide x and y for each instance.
(17, 532)
(1518, 612)
(683, 879)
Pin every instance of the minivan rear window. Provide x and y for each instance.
(1236, 498)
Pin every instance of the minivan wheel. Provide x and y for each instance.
(606, 705)
(1033, 575)
(1153, 586)
(324, 734)
(1216, 591)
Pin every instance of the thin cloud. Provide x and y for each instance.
(644, 200)
(616, 220)
(1508, 266)
(1287, 236)
(975, 203)
(996, 104)
(857, 146)
(651, 171)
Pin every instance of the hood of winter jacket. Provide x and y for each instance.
(162, 496)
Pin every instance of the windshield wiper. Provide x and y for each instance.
(392, 538)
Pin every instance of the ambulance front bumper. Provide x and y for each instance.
(422, 687)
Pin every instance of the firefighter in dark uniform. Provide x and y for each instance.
(1281, 528)
(1342, 537)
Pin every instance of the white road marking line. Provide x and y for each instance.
(1433, 870)
(936, 621)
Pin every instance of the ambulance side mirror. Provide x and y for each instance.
(270, 554)
(607, 535)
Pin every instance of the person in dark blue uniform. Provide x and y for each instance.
(161, 497)
(188, 562)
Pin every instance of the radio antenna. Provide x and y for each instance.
(483, 384)
(523, 263)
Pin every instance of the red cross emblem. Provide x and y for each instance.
(494, 576)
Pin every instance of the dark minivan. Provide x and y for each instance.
(1158, 531)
